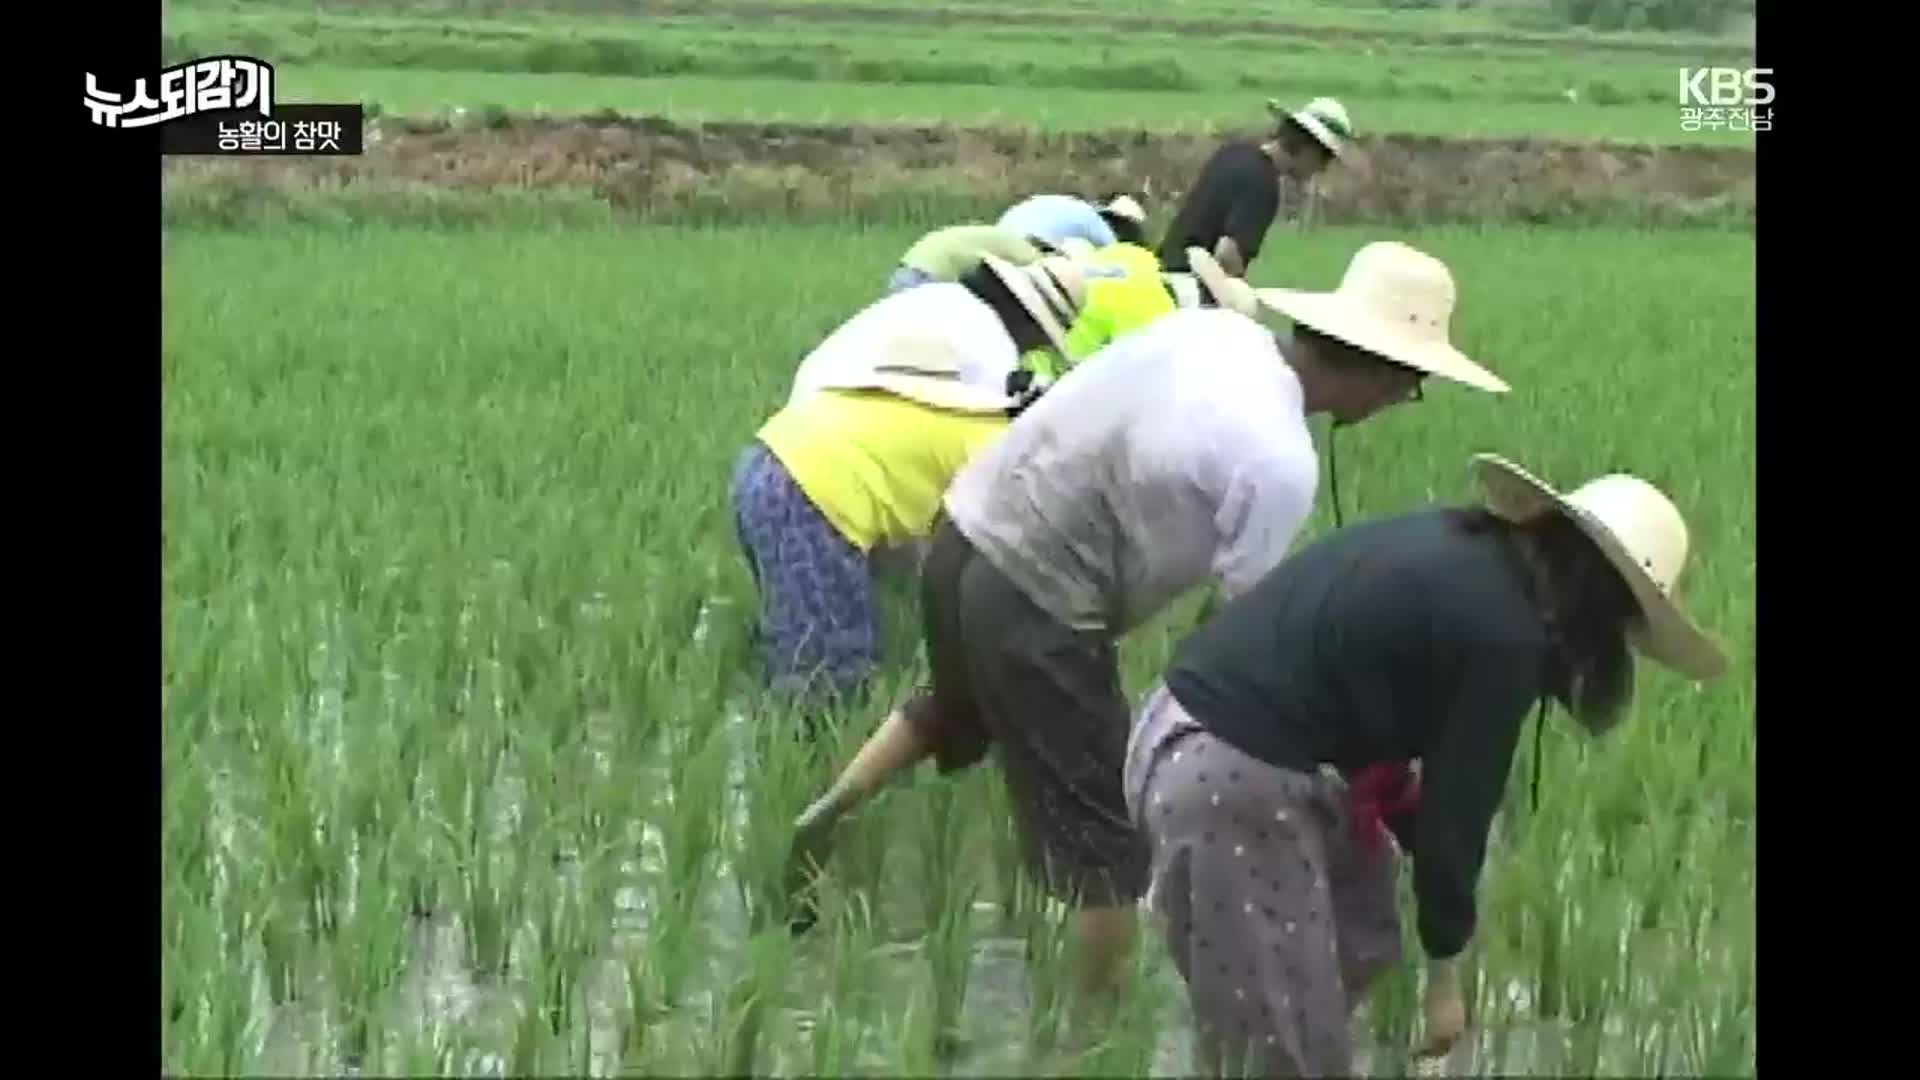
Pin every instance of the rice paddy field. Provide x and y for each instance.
(465, 772)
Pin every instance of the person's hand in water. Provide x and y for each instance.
(807, 853)
(1446, 1013)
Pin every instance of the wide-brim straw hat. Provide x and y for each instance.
(1323, 118)
(1640, 532)
(1396, 302)
(1052, 290)
(924, 367)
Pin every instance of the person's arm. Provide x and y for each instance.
(1226, 252)
(1012, 247)
(1263, 503)
(1256, 201)
(1463, 779)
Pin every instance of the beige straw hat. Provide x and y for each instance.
(1395, 301)
(1053, 290)
(1641, 533)
(1323, 118)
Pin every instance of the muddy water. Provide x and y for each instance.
(444, 1018)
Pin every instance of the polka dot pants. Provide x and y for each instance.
(1275, 919)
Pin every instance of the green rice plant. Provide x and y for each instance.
(1049, 974)
(494, 879)
(647, 1003)
(1005, 857)
(778, 788)
(675, 948)
(840, 1014)
(949, 951)
(691, 810)
(283, 945)
(563, 940)
(368, 951)
(1127, 1046)
(532, 1048)
(740, 1017)
(436, 450)
(191, 936)
(1394, 1010)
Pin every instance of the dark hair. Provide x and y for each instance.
(1586, 606)
(982, 282)
(1125, 230)
(1341, 355)
(1295, 135)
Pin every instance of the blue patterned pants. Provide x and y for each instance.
(817, 626)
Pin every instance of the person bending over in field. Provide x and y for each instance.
(945, 254)
(1180, 452)
(960, 313)
(1238, 193)
(1056, 219)
(1427, 635)
(1126, 291)
(862, 461)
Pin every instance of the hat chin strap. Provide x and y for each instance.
(1333, 471)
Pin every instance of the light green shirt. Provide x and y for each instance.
(948, 253)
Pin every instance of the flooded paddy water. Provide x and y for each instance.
(463, 774)
(664, 953)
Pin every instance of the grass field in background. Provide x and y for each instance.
(700, 98)
(1518, 20)
(462, 771)
(730, 65)
(705, 98)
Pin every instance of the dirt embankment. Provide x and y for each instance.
(654, 167)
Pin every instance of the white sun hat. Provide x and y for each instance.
(1395, 301)
(1125, 206)
(1323, 118)
(1641, 533)
(1053, 290)
(924, 366)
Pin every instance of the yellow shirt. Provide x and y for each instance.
(1115, 306)
(1118, 305)
(875, 464)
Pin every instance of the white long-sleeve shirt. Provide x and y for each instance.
(1178, 454)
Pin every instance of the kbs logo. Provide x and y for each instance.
(1725, 86)
(1734, 99)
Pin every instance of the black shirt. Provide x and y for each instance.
(1400, 638)
(1237, 194)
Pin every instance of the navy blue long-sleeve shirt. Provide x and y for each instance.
(1401, 638)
